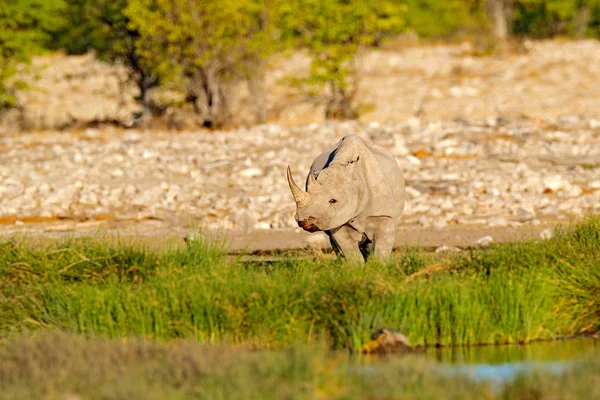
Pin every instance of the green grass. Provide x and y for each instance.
(67, 366)
(509, 293)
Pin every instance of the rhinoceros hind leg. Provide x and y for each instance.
(383, 238)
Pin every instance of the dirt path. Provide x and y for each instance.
(155, 232)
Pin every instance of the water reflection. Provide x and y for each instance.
(500, 364)
(559, 350)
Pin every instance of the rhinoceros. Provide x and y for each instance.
(355, 194)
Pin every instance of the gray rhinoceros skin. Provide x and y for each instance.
(355, 194)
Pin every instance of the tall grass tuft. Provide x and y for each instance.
(514, 292)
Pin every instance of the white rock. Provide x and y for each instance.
(44, 188)
(547, 233)
(414, 160)
(555, 183)
(399, 148)
(318, 240)
(574, 191)
(455, 91)
(413, 122)
(485, 241)
(491, 121)
(246, 219)
(436, 93)
(131, 190)
(418, 207)
(451, 249)
(88, 198)
(524, 215)
(446, 143)
(497, 221)
(412, 192)
(262, 225)
(92, 133)
(440, 223)
(251, 172)
(594, 185)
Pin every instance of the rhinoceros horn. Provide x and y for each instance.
(300, 195)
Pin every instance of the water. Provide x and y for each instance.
(501, 364)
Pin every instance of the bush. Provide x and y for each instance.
(24, 29)
(333, 32)
(204, 47)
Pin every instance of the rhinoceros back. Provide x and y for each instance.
(381, 166)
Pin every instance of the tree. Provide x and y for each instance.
(103, 26)
(541, 18)
(593, 24)
(500, 13)
(25, 27)
(547, 18)
(205, 46)
(435, 18)
(333, 32)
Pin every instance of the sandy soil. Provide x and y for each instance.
(154, 232)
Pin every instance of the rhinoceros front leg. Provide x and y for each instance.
(383, 238)
(343, 244)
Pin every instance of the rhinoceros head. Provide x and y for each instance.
(328, 203)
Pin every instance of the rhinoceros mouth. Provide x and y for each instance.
(310, 228)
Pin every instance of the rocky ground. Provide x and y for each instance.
(508, 143)
(495, 173)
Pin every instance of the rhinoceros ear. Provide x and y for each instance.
(353, 161)
(350, 163)
(311, 183)
(348, 153)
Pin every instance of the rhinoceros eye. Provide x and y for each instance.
(332, 201)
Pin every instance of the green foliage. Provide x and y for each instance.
(203, 46)
(198, 34)
(24, 30)
(511, 293)
(95, 25)
(333, 32)
(104, 27)
(547, 18)
(442, 19)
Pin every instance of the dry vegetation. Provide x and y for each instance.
(545, 80)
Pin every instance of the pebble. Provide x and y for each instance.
(262, 225)
(251, 172)
(524, 215)
(485, 241)
(450, 249)
(318, 240)
(497, 221)
(236, 178)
